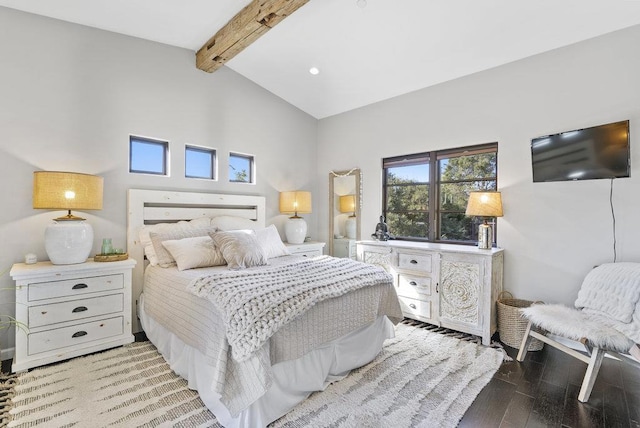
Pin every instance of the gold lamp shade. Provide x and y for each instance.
(484, 204)
(348, 204)
(67, 191)
(298, 202)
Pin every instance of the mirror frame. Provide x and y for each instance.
(332, 175)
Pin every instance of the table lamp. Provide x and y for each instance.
(485, 204)
(298, 202)
(69, 239)
(348, 205)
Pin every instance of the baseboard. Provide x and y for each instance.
(7, 354)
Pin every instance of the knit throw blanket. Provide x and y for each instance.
(256, 302)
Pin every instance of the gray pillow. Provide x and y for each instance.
(240, 248)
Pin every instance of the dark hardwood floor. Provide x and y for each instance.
(542, 391)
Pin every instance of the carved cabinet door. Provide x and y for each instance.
(460, 291)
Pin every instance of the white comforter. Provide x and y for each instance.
(256, 303)
(198, 324)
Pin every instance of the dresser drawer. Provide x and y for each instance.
(414, 286)
(51, 340)
(76, 309)
(415, 309)
(74, 287)
(418, 262)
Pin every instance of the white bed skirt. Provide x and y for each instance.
(293, 380)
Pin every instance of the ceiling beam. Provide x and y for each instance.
(246, 27)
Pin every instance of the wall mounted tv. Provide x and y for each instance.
(584, 154)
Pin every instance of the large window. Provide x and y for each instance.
(148, 156)
(426, 194)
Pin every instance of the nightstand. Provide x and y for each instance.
(70, 310)
(344, 247)
(306, 249)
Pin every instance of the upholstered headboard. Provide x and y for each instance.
(161, 206)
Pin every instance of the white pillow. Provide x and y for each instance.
(175, 228)
(195, 252)
(269, 240)
(227, 222)
(164, 257)
(240, 248)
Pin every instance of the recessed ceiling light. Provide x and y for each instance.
(361, 3)
(314, 70)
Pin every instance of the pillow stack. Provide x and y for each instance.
(210, 242)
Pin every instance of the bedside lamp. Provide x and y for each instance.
(485, 204)
(348, 205)
(69, 239)
(297, 203)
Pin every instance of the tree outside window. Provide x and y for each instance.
(241, 168)
(426, 194)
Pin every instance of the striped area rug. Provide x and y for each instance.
(420, 378)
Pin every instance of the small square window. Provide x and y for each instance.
(147, 156)
(199, 162)
(241, 168)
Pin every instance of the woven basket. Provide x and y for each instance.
(511, 323)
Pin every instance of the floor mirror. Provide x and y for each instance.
(344, 212)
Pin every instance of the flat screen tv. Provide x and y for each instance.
(584, 154)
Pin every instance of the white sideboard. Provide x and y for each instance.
(453, 286)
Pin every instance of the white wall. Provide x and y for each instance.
(71, 95)
(552, 233)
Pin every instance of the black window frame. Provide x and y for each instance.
(251, 172)
(209, 151)
(434, 210)
(146, 140)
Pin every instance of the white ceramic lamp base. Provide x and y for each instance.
(68, 242)
(295, 229)
(350, 227)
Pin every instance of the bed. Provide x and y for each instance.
(249, 370)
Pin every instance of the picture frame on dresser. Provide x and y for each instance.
(70, 310)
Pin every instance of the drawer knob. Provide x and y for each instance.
(413, 283)
(79, 286)
(413, 262)
(412, 306)
(79, 334)
(79, 309)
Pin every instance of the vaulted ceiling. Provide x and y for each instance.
(367, 50)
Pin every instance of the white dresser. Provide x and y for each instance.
(306, 249)
(70, 310)
(454, 286)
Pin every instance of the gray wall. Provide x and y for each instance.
(71, 95)
(552, 233)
